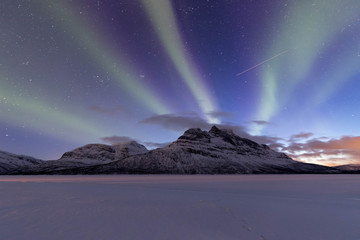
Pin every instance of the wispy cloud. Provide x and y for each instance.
(346, 142)
(182, 123)
(302, 135)
(113, 140)
(330, 152)
(219, 114)
(151, 145)
(260, 122)
(177, 123)
(117, 139)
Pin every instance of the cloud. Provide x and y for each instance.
(113, 140)
(333, 151)
(110, 110)
(177, 123)
(260, 122)
(333, 158)
(314, 145)
(182, 123)
(273, 142)
(117, 139)
(346, 142)
(151, 145)
(302, 135)
(219, 114)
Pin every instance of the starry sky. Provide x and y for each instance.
(281, 72)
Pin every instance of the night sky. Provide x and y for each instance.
(281, 72)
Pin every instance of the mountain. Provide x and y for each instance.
(85, 156)
(102, 153)
(9, 161)
(195, 152)
(349, 167)
(213, 152)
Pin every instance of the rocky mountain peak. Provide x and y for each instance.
(214, 130)
(222, 139)
(195, 134)
(217, 131)
(229, 137)
(226, 135)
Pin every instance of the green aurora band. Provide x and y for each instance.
(123, 72)
(311, 29)
(164, 23)
(37, 116)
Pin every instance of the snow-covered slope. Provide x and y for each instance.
(102, 153)
(153, 207)
(195, 152)
(9, 161)
(213, 152)
(85, 156)
(91, 152)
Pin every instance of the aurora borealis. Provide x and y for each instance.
(78, 72)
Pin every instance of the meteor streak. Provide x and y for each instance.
(257, 65)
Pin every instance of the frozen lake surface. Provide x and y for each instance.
(271, 207)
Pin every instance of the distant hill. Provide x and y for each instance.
(349, 167)
(10, 162)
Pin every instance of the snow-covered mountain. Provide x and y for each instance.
(9, 161)
(85, 156)
(213, 152)
(101, 153)
(195, 152)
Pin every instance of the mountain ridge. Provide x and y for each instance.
(217, 151)
(213, 152)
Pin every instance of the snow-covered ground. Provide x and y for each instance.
(278, 207)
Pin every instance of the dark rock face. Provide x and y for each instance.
(196, 135)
